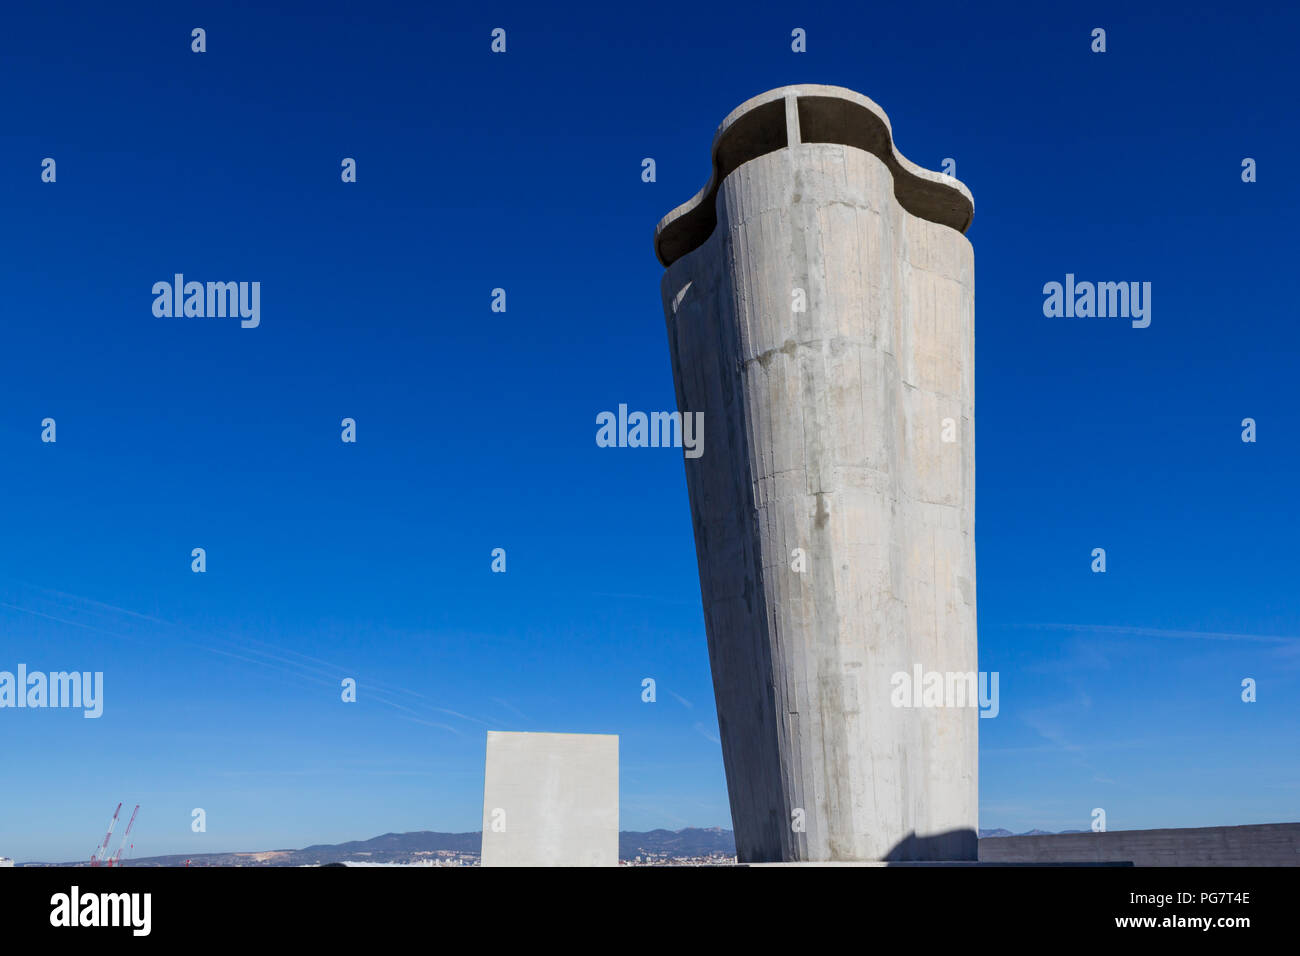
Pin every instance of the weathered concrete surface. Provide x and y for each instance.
(824, 433)
(1268, 844)
(550, 800)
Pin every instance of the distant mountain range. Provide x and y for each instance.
(426, 845)
(688, 842)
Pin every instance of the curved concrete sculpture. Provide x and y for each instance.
(825, 114)
(819, 298)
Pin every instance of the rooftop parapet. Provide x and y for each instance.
(809, 113)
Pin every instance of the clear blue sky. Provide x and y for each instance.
(476, 429)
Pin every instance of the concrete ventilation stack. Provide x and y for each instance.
(819, 298)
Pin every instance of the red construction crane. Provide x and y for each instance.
(116, 859)
(97, 858)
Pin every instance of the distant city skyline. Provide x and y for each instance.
(477, 429)
(713, 844)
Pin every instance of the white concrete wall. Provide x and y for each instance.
(822, 432)
(558, 797)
